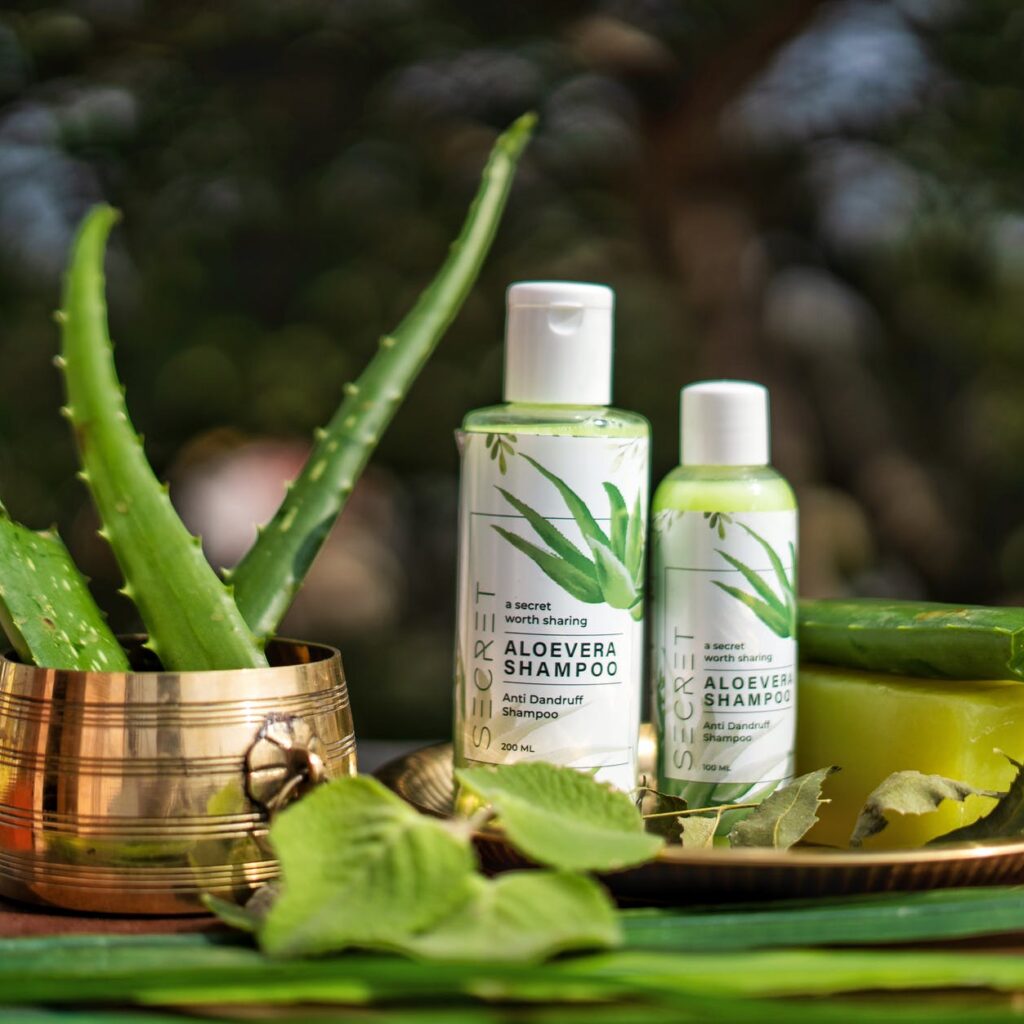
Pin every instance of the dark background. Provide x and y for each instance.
(826, 197)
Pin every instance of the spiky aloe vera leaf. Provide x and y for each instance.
(785, 583)
(578, 584)
(574, 503)
(754, 579)
(619, 520)
(615, 581)
(46, 609)
(273, 569)
(635, 530)
(190, 615)
(778, 622)
(550, 534)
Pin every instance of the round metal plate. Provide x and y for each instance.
(424, 779)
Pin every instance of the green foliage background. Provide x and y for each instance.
(823, 196)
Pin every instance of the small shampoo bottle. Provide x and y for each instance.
(553, 509)
(723, 660)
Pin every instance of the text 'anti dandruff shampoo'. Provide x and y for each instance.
(724, 604)
(552, 531)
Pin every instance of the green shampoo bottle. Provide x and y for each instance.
(553, 509)
(723, 659)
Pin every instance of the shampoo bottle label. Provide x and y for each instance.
(549, 643)
(724, 652)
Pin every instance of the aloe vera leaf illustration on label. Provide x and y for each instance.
(614, 572)
(717, 521)
(501, 447)
(776, 611)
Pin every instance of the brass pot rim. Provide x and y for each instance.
(287, 657)
(132, 641)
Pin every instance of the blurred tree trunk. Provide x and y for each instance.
(705, 219)
(698, 209)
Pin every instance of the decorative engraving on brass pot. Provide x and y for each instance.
(129, 792)
(285, 760)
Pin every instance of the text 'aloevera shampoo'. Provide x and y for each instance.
(724, 605)
(552, 530)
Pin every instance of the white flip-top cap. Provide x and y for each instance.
(724, 423)
(558, 343)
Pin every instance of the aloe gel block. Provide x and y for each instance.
(723, 659)
(552, 530)
(872, 724)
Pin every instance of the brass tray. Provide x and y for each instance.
(679, 876)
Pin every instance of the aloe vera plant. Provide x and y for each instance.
(614, 572)
(776, 610)
(39, 578)
(268, 576)
(190, 616)
(193, 619)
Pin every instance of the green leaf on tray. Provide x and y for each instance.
(660, 812)
(232, 914)
(697, 832)
(563, 818)
(363, 869)
(251, 915)
(360, 867)
(522, 917)
(908, 792)
(1005, 819)
(786, 816)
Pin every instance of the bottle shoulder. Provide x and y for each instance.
(582, 420)
(725, 489)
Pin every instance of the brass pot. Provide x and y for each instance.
(137, 792)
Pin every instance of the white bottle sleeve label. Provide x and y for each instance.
(724, 650)
(549, 644)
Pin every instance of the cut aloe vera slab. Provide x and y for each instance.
(914, 638)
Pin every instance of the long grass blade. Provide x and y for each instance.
(550, 534)
(182, 970)
(568, 577)
(853, 920)
(696, 1010)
